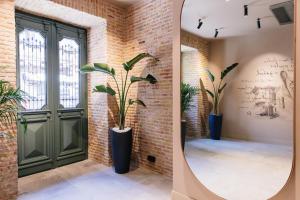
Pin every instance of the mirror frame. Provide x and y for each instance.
(185, 185)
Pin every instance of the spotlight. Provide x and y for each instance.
(200, 24)
(258, 23)
(246, 10)
(217, 33)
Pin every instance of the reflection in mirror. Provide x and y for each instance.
(237, 94)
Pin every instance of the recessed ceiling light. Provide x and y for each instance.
(200, 24)
(216, 33)
(258, 23)
(246, 10)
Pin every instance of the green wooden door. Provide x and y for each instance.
(49, 55)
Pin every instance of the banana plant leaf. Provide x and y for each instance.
(122, 90)
(139, 102)
(228, 69)
(151, 79)
(98, 67)
(104, 89)
(210, 75)
(130, 64)
(222, 88)
(210, 93)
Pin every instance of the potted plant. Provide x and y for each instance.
(10, 98)
(121, 135)
(215, 117)
(187, 94)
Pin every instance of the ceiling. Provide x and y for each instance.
(125, 2)
(230, 15)
(185, 48)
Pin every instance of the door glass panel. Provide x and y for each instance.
(69, 73)
(32, 64)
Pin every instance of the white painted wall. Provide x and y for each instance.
(262, 57)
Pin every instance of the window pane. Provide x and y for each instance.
(32, 64)
(69, 73)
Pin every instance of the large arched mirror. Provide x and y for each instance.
(237, 95)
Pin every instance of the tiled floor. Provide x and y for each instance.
(240, 170)
(88, 180)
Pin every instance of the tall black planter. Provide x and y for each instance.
(121, 150)
(215, 126)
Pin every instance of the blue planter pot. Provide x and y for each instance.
(121, 150)
(215, 126)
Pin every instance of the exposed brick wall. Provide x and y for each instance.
(8, 144)
(8, 167)
(149, 29)
(7, 41)
(193, 68)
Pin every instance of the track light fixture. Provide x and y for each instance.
(200, 24)
(246, 9)
(216, 33)
(258, 23)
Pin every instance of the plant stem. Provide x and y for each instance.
(123, 113)
(126, 94)
(215, 99)
(119, 101)
(127, 110)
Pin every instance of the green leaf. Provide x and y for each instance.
(228, 69)
(104, 89)
(187, 93)
(98, 67)
(222, 88)
(139, 102)
(25, 123)
(113, 72)
(104, 68)
(130, 64)
(88, 68)
(210, 93)
(10, 99)
(210, 75)
(151, 79)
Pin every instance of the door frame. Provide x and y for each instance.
(49, 25)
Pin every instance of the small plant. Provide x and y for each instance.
(10, 99)
(217, 91)
(122, 89)
(187, 94)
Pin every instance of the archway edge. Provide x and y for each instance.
(185, 184)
